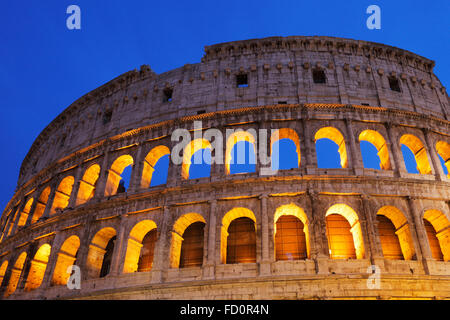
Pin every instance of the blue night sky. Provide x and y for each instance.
(45, 67)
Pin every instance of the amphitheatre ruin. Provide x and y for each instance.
(306, 232)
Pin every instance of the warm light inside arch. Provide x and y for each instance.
(149, 164)
(86, 190)
(3, 268)
(177, 235)
(375, 138)
(418, 149)
(134, 244)
(37, 268)
(188, 152)
(62, 194)
(443, 149)
(355, 227)
(15, 274)
(25, 212)
(402, 230)
(441, 225)
(336, 136)
(97, 250)
(41, 204)
(114, 175)
(286, 133)
(66, 258)
(232, 140)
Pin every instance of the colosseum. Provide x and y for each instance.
(305, 232)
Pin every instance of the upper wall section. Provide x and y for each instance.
(278, 70)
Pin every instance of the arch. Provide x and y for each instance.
(441, 230)
(149, 164)
(88, 184)
(179, 228)
(333, 231)
(233, 139)
(228, 218)
(443, 149)
(418, 149)
(136, 246)
(67, 257)
(336, 136)
(375, 138)
(189, 151)
(15, 274)
(37, 268)
(293, 210)
(25, 212)
(192, 247)
(97, 250)
(401, 231)
(286, 133)
(41, 204)
(62, 194)
(3, 268)
(114, 175)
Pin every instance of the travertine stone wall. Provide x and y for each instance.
(128, 117)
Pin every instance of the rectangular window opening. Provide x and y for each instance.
(168, 95)
(394, 84)
(241, 81)
(319, 76)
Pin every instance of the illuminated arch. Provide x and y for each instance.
(41, 204)
(286, 133)
(62, 194)
(336, 136)
(189, 151)
(86, 190)
(443, 149)
(418, 149)
(3, 268)
(355, 228)
(375, 138)
(177, 235)
(114, 175)
(402, 231)
(232, 140)
(97, 251)
(135, 245)
(441, 226)
(25, 212)
(37, 268)
(149, 164)
(67, 257)
(231, 215)
(293, 210)
(15, 274)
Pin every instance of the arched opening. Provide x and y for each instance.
(67, 256)
(378, 159)
(195, 237)
(192, 246)
(443, 150)
(155, 168)
(325, 149)
(37, 268)
(62, 194)
(285, 149)
(344, 233)
(25, 212)
(395, 235)
(418, 150)
(140, 248)
(238, 236)
(41, 204)
(100, 253)
(240, 156)
(3, 268)
(88, 184)
(15, 274)
(196, 159)
(437, 227)
(291, 233)
(118, 176)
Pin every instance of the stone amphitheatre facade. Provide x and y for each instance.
(303, 233)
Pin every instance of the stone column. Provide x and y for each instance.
(49, 204)
(52, 259)
(119, 249)
(136, 172)
(419, 235)
(75, 188)
(17, 217)
(318, 239)
(400, 168)
(355, 154)
(264, 266)
(103, 177)
(83, 250)
(311, 159)
(436, 167)
(161, 257)
(209, 267)
(371, 229)
(33, 208)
